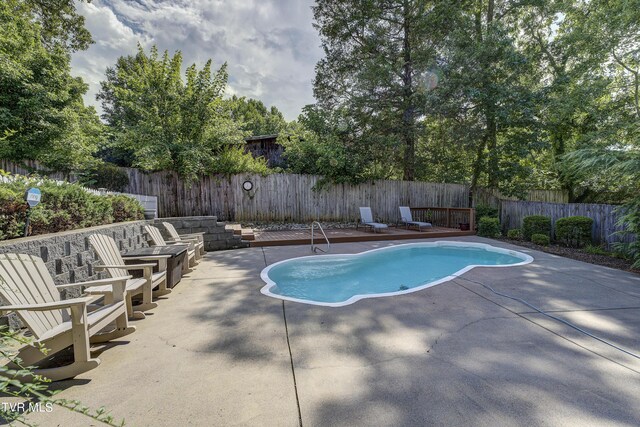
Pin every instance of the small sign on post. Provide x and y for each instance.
(32, 197)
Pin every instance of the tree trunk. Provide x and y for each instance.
(492, 145)
(477, 165)
(408, 115)
(490, 116)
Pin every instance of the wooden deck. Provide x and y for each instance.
(347, 235)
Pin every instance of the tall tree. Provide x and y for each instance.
(376, 54)
(40, 102)
(168, 123)
(486, 92)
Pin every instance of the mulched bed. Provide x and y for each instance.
(577, 254)
(281, 226)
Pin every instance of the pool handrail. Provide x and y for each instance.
(314, 248)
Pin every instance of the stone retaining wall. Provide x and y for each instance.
(216, 237)
(68, 254)
(70, 258)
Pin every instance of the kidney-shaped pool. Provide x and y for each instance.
(337, 280)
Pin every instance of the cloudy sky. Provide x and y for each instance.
(270, 45)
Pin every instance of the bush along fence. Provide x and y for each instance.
(603, 224)
(64, 206)
(104, 173)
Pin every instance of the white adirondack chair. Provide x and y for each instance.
(114, 264)
(56, 324)
(196, 238)
(156, 239)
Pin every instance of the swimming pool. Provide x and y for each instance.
(338, 280)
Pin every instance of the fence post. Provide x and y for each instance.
(472, 219)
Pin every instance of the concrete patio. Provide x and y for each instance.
(216, 352)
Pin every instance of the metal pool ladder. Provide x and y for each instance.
(315, 248)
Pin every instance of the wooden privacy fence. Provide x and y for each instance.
(11, 167)
(492, 197)
(604, 217)
(289, 197)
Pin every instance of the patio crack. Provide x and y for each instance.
(293, 369)
(544, 327)
(463, 327)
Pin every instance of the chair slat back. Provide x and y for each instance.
(366, 215)
(24, 279)
(405, 213)
(155, 236)
(172, 231)
(108, 253)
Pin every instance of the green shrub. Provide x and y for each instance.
(125, 208)
(515, 234)
(105, 175)
(536, 224)
(486, 210)
(488, 227)
(63, 206)
(574, 231)
(12, 212)
(540, 239)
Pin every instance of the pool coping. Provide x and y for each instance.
(266, 289)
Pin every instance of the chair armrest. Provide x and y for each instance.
(55, 305)
(126, 266)
(188, 239)
(193, 234)
(118, 288)
(106, 281)
(146, 257)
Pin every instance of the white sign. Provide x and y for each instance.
(33, 197)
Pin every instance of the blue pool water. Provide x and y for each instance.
(343, 279)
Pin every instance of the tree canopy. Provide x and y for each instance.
(489, 92)
(168, 123)
(41, 104)
(254, 117)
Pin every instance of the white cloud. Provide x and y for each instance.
(270, 46)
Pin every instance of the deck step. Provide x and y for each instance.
(244, 233)
(247, 234)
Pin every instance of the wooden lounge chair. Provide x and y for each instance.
(156, 239)
(366, 218)
(115, 266)
(195, 238)
(407, 219)
(56, 324)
